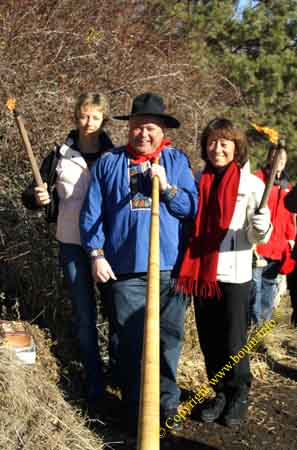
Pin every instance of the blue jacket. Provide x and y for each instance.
(116, 213)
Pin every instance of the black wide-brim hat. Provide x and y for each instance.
(149, 104)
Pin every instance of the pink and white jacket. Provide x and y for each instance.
(73, 179)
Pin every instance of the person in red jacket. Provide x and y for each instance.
(275, 256)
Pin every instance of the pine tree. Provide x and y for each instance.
(255, 50)
(261, 57)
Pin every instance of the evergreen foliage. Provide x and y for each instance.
(255, 50)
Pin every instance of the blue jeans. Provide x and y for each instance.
(128, 296)
(77, 272)
(264, 291)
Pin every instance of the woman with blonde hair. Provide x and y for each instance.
(66, 175)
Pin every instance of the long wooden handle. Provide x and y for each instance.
(271, 178)
(149, 409)
(26, 142)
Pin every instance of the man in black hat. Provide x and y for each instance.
(115, 222)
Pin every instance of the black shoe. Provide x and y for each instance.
(236, 409)
(168, 422)
(95, 407)
(214, 408)
(129, 421)
(105, 405)
(129, 426)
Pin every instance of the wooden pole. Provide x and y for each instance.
(260, 262)
(149, 408)
(26, 142)
(271, 178)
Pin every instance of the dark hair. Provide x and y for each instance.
(272, 150)
(224, 128)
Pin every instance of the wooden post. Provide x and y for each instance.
(149, 408)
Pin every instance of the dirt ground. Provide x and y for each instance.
(271, 421)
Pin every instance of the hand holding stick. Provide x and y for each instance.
(271, 178)
(11, 103)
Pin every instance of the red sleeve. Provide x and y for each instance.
(291, 228)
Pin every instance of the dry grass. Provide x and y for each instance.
(35, 416)
(191, 370)
(33, 412)
(282, 340)
(282, 346)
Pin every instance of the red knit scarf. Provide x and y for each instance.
(217, 199)
(138, 158)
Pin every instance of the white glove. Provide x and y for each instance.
(291, 244)
(101, 270)
(261, 220)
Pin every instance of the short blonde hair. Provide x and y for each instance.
(91, 99)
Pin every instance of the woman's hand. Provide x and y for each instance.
(41, 195)
(261, 220)
(159, 171)
(101, 270)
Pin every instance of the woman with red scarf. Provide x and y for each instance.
(217, 267)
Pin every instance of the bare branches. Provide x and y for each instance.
(51, 51)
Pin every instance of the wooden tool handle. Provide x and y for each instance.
(26, 142)
(149, 409)
(271, 178)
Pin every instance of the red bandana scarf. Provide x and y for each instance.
(139, 158)
(217, 199)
